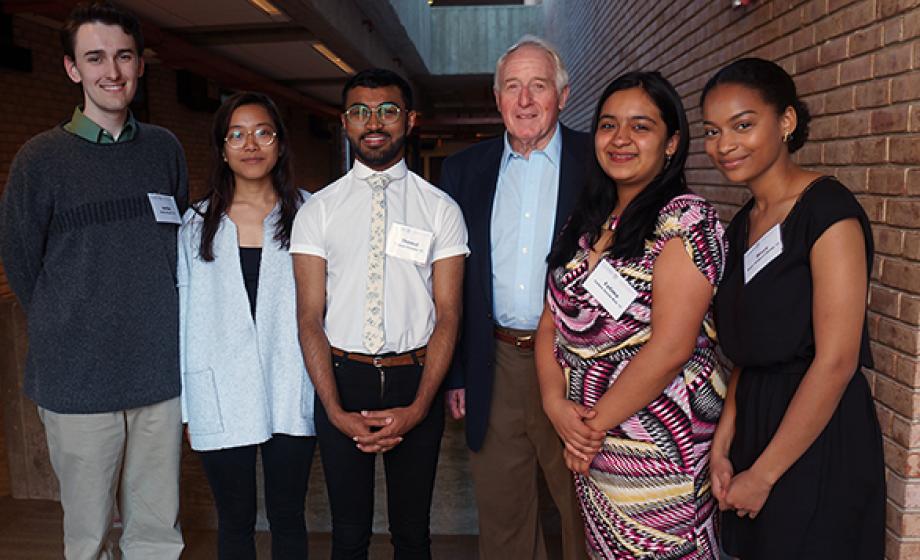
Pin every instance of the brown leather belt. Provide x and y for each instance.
(412, 357)
(522, 340)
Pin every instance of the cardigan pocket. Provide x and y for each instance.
(203, 403)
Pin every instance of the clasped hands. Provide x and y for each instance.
(582, 442)
(745, 492)
(378, 431)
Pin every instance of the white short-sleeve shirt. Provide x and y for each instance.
(335, 224)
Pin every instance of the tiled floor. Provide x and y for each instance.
(31, 530)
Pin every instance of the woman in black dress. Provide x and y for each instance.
(797, 454)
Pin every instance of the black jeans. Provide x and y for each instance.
(232, 475)
(410, 466)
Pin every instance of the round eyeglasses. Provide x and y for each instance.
(263, 137)
(359, 113)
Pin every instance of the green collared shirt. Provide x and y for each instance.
(82, 126)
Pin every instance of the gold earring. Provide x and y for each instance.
(786, 136)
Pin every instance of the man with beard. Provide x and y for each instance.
(378, 260)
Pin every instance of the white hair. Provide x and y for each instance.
(562, 75)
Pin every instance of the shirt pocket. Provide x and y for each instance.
(203, 403)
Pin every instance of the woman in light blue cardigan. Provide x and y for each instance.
(244, 385)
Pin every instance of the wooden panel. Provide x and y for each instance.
(4, 461)
(27, 451)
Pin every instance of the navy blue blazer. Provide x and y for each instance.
(470, 178)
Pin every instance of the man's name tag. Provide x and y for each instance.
(610, 289)
(164, 208)
(409, 243)
(763, 252)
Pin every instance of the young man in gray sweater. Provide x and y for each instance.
(88, 239)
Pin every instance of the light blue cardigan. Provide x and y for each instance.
(242, 380)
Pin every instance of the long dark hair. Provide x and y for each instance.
(221, 185)
(599, 196)
(775, 87)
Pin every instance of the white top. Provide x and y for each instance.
(242, 379)
(335, 225)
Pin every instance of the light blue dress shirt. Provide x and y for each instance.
(523, 216)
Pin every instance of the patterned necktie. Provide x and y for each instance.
(373, 303)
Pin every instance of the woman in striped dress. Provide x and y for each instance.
(636, 406)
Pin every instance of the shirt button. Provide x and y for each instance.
(521, 286)
(524, 250)
(527, 215)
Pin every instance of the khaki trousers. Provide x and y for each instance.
(132, 454)
(520, 439)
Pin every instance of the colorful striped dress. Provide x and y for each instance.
(648, 493)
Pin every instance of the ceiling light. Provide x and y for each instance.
(266, 7)
(333, 58)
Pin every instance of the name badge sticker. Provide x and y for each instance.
(767, 248)
(610, 289)
(409, 243)
(164, 208)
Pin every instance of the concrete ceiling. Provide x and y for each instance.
(236, 44)
(474, 2)
(272, 46)
(185, 13)
(360, 32)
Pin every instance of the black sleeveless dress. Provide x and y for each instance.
(831, 502)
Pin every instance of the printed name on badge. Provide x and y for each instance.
(610, 289)
(763, 252)
(409, 243)
(164, 208)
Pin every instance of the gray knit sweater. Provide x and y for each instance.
(94, 270)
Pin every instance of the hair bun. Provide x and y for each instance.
(803, 119)
(774, 85)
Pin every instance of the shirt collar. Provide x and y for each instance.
(85, 128)
(396, 171)
(552, 151)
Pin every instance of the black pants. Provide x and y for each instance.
(410, 466)
(232, 475)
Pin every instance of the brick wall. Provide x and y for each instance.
(856, 64)
(35, 101)
(44, 97)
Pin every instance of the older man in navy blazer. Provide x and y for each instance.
(516, 192)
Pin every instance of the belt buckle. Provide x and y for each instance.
(378, 362)
(520, 341)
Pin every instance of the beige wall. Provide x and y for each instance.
(857, 63)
